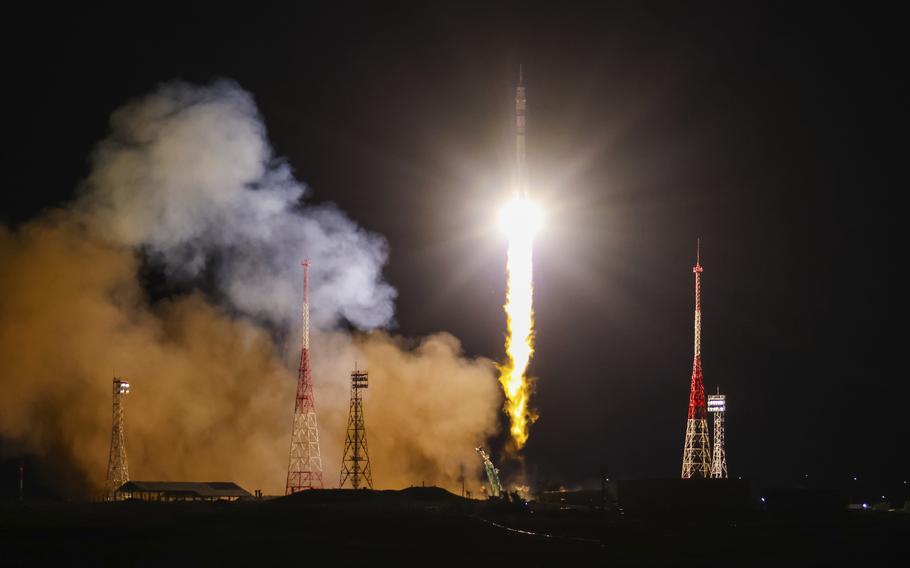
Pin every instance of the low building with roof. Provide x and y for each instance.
(181, 491)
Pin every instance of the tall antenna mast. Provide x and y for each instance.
(306, 305)
(355, 464)
(697, 446)
(305, 461)
(117, 470)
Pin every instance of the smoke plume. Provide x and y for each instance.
(187, 182)
(187, 175)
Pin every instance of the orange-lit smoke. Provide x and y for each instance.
(185, 183)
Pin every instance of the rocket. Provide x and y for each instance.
(521, 176)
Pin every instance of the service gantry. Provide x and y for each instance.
(492, 473)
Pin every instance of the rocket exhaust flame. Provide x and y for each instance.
(520, 220)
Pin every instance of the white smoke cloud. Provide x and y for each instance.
(187, 174)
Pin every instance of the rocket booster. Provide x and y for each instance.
(521, 176)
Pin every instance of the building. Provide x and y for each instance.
(181, 491)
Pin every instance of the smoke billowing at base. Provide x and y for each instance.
(186, 183)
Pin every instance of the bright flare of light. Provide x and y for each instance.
(519, 220)
(520, 215)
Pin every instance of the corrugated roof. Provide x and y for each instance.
(199, 488)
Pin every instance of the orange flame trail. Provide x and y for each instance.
(519, 220)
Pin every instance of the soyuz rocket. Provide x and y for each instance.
(521, 175)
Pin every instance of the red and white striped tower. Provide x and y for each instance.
(697, 447)
(305, 463)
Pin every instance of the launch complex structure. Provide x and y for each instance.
(305, 461)
(698, 460)
(495, 487)
(305, 467)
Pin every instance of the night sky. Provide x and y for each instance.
(771, 133)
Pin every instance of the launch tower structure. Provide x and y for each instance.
(305, 461)
(355, 465)
(492, 473)
(118, 472)
(697, 446)
(717, 406)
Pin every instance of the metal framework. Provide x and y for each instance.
(118, 472)
(305, 461)
(717, 406)
(355, 465)
(696, 460)
(492, 473)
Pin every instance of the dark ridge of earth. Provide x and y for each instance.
(428, 526)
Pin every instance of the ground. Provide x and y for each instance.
(426, 526)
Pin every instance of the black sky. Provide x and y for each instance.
(770, 132)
